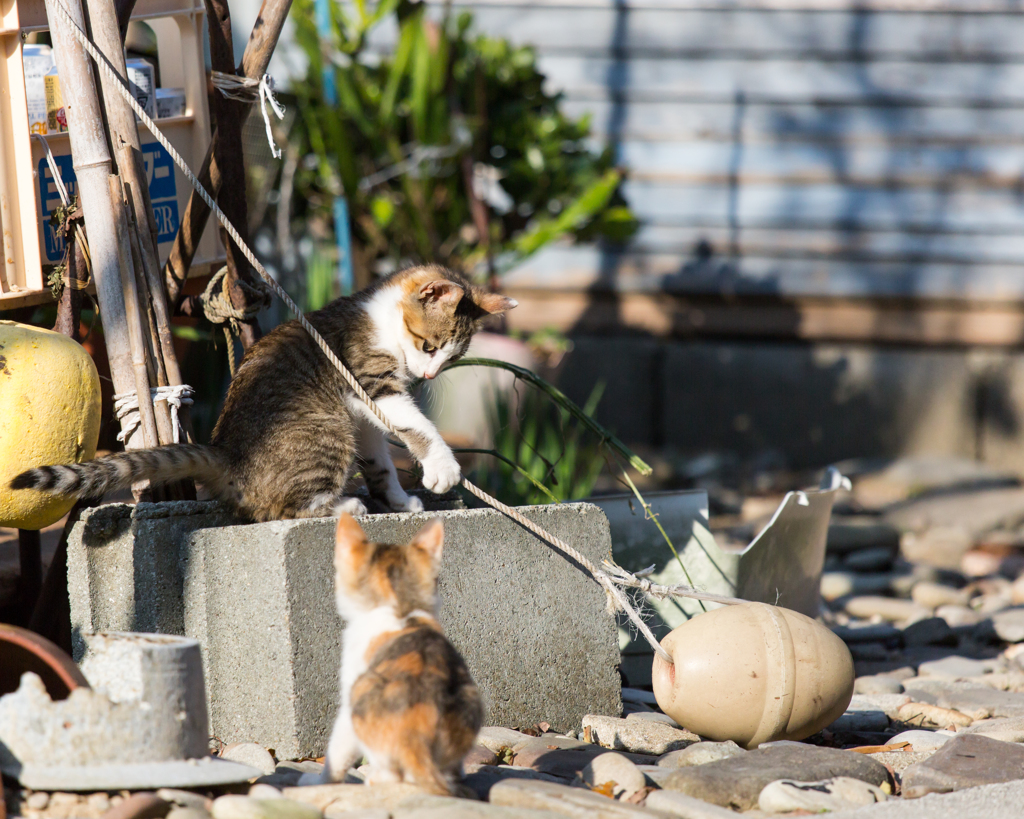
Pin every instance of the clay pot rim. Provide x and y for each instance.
(50, 653)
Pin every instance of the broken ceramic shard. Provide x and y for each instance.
(143, 725)
(754, 673)
(781, 566)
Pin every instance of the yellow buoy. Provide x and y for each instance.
(49, 414)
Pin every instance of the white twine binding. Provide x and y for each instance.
(613, 579)
(126, 408)
(246, 89)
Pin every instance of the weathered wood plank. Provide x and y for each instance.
(892, 82)
(821, 206)
(639, 30)
(757, 122)
(872, 245)
(936, 6)
(589, 269)
(807, 319)
(793, 162)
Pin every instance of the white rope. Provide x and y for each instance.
(58, 183)
(246, 89)
(126, 408)
(612, 583)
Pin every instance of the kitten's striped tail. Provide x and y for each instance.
(95, 478)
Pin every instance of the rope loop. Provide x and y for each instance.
(126, 408)
(247, 89)
(218, 309)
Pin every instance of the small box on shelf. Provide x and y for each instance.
(32, 106)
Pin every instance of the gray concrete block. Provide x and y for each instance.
(259, 599)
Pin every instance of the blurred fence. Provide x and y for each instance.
(821, 163)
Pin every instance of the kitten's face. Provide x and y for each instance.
(374, 575)
(440, 315)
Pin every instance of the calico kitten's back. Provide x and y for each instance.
(408, 698)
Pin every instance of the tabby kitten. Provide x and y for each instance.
(408, 703)
(288, 436)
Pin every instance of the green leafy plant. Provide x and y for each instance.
(415, 125)
(543, 455)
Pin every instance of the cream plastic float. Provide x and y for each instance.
(49, 414)
(754, 673)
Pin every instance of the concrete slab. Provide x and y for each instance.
(259, 599)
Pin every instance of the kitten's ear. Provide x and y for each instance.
(494, 303)
(349, 543)
(442, 292)
(430, 539)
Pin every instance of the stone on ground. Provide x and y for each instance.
(251, 754)
(336, 799)
(986, 802)
(447, 807)
(1009, 625)
(497, 738)
(877, 684)
(931, 631)
(188, 813)
(615, 770)
(737, 782)
(673, 803)
(479, 755)
(965, 762)
(931, 595)
(560, 799)
(787, 795)
(244, 807)
(888, 608)
(923, 740)
(637, 736)
(953, 667)
(923, 714)
(700, 753)
(977, 701)
(486, 777)
(1007, 729)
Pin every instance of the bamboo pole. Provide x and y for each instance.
(124, 138)
(265, 33)
(133, 319)
(92, 164)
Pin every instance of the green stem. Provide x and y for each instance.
(563, 401)
(514, 465)
(651, 515)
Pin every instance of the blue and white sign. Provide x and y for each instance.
(162, 191)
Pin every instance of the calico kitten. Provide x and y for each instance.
(408, 703)
(287, 438)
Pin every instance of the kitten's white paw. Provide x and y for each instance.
(353, 506)
(441, 472)
(405, 503)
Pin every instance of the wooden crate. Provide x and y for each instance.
(27, 192)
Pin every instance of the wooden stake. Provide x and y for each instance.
(265, 33)
(92, 165)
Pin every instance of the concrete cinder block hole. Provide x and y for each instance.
(259, 599)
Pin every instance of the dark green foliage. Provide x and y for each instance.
(473, 98)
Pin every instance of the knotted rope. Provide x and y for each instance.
(612, 582)
(218, 309)
(246, 89)
(126, 408)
